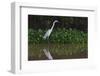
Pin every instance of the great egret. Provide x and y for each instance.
(46, 36)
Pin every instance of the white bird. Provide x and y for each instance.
(47, 34)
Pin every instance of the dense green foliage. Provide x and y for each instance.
(57, 36)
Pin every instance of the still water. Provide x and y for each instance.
(57, 51)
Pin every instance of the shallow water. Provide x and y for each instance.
(58, 51)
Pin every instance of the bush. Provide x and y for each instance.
(57, 36)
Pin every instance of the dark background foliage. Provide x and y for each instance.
(45, 22)
(67, 30)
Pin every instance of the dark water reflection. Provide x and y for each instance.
(58, 51)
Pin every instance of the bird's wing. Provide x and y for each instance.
(47, 34)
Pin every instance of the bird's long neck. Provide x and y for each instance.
(53, 26)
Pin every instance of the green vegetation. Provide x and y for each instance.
(57, 36)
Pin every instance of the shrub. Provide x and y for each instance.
(58, 35)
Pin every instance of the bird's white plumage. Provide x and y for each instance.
(47, 34)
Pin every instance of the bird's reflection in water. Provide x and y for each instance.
(47, 54)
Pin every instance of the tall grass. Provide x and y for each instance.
(58, 35)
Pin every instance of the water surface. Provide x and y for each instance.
(58, 51)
